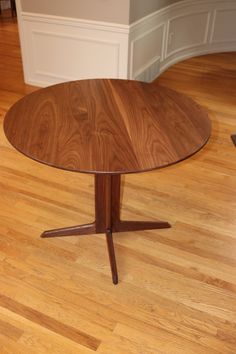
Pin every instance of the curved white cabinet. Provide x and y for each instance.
(56, 49)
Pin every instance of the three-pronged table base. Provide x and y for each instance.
(107, 218)
(107, 127)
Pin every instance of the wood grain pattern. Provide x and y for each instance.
(177, 291)
(107, 126)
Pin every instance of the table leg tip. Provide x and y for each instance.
(46, 234)
(115, 280)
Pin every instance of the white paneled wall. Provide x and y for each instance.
(187, 31)
(57, 49)
(189, 28)
(66, 50)
(224, 26)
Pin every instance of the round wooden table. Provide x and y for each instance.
(107, 127)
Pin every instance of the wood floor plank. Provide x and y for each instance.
(8, 346)
(35, 336)
(163, 341)
(10, 331)
(49, 323)
(153, 314)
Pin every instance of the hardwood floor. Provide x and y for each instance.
(177, 290)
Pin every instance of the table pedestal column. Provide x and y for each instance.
(107, 218)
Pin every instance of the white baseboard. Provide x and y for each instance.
(57, 49)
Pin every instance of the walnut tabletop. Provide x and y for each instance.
(108, 128)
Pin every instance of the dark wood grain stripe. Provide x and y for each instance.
(49, 323)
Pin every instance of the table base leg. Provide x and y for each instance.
(112, 257)
(86, 229)
(107, 213)
(123, 226)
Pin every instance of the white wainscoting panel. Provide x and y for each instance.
(224, 26)
(147, 49)
(61, 49)
(189, 28)
(187, 31)
(71, 57)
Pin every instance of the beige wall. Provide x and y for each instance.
(117, 11)
(100, 10)
(141, 8)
